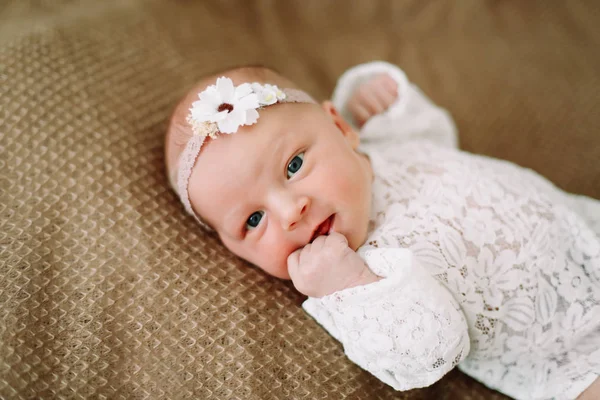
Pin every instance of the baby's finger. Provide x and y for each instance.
(371, 102)
(318, 244)
(304, 254)
(293, 262)
(361, 114)
(294, 259)
(386, 95)
(384, 99)
(336, 238)
(387, 83)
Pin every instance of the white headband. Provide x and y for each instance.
(223, 108)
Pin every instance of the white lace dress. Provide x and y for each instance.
(487, 265)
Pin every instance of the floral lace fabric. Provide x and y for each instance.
(487, 265)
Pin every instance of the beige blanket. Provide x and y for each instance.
(108, 290)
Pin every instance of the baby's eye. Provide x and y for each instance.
(253, 221)
(294, 165)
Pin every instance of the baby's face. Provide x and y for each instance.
(270, 188)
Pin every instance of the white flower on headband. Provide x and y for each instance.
(224, 107)
(268, 94)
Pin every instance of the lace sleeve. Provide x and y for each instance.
(587, 208)
(406, 329)
(412, 116)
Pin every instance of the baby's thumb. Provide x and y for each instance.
(292, 263)
(335, 237)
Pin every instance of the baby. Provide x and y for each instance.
(415, 255)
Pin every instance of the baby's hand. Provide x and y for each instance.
(372, 97)
(328, 265)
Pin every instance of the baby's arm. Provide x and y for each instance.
(367, 98)
(405, 328)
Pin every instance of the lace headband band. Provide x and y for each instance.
(222, 109)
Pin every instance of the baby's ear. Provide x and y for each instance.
(345, 128)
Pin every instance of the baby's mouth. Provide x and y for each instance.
(324, 228)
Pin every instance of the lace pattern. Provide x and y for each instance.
(523, 266)
(519, 257)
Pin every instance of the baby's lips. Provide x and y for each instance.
(323, 229)
(331, 224)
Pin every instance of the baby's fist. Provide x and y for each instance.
(372, 97)
(327, 265)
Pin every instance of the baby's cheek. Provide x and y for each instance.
(344, 187)
(273, 256)
(266, 255)
(330, 183)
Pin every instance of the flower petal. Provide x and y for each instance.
(243, 90)
(202, 112)
(251, 117)
(256, 87)
(211, 97)
(220, 116)
(430, 256)
(494, 297)
(511, 280)
(238, 115)
(232, 122)
(267, 97)
(574, 317)
(452, 245)
(545, 302)
(518, 313)
(226, 90)
(247, 102)
(486, 261)
(280, 94)
(227, 126)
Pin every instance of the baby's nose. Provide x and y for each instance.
(296, 216)
(288, 206)
(295, 212)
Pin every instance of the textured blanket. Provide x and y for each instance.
(108, 290)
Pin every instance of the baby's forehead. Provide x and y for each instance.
(179, 130)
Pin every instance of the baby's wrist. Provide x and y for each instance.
(366, 277)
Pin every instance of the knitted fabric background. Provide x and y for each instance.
(109, 290)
